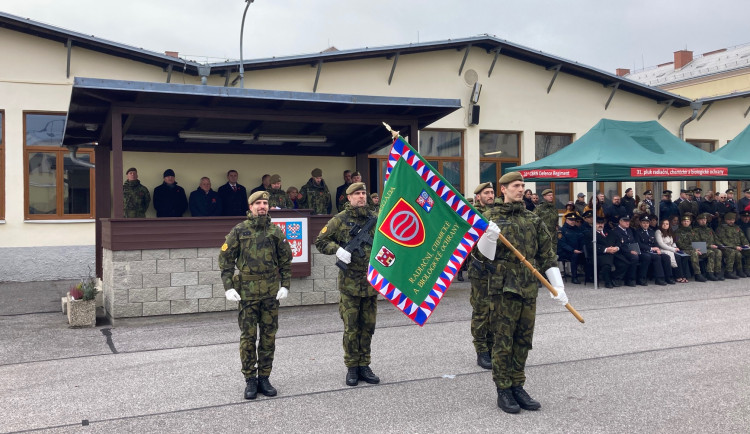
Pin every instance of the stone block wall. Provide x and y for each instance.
(175, 281)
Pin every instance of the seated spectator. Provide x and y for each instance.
(685, 235)
(736, 250)
(649, 201)
(642, 209)
(293, 194)
(706, 234)
(605, 253)
(653, 222)
(651, 255)
(233, 196)
(169, 198)
(204, 202)
(570, 245)
(679, 261)
(626, 255)
(265, 181)
(674, 223)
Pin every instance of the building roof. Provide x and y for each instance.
(707, 64)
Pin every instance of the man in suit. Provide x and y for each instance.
(233, 196)
(625, 259)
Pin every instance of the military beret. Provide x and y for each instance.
(687, 216)
(258, 195)
(588, 213)
(482, 186)
(730, 216)
(275, 178)
(703, 215)
(666, 192)
(628, 190)
(697, 190)
(730, 191)
(510, 177)
(356, 173)
(625, 217)
(648, 192)
(132, 169)
(745, 214)
(168, 172)
(374, 195)
(546, 191)
(316, 173)
(355, 187)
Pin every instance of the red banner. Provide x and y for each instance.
(550, 173)
(679, 171)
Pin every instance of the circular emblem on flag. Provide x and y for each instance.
(403, 225)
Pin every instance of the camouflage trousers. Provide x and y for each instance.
(736, 259)
(480, 315)
(512, 323)
(358, 314)
(258, 316)
(713, 262)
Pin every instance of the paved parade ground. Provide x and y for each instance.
(648, 359)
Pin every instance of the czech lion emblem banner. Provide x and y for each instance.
(425, 231)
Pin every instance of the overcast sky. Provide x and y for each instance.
(599, 33)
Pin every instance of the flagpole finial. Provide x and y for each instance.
(394, 134)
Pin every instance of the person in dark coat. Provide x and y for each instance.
(570, 245)
(341, 190)
(614, 211)
(233, 196)
(651, 254)
(527, 200)
(265, 182)
(169, 198)
(628, 201)
(605, 253)
(204, 202)
(625, 259)
(667, 208)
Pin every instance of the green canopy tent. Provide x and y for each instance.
(737, 149)
(630, 151)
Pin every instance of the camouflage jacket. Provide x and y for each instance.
(684, 237)
(483, 208)
(261, 253)
(731, 236)
(337, 233)
(279, 199)
(705, 233)
(526, 232)
(548, 213)
(316, 197)
(136, 199)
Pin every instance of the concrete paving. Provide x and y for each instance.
(648, 359)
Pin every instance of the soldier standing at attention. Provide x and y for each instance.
(135, 195)
(263, 257)
(479, 276)
(548, 213)
(513, 289)
(278, 197)
(315, 194)
(358, 306)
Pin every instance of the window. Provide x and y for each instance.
(547, 144)
(708, 146)
(498, 151)
(2, 165)
(444, 151)
(56, 187)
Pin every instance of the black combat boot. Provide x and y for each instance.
(642, 282)
(741, 273)
(699, 277)
(661, 282)
(506, 401)
(711, 277)
(352, 376)
(460, 276)
(366, 375)
(730, 275)
(483, 360)
(264, 386)
(524, 400)
(720, 275)
(251, 390)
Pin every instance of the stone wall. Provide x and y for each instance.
(32, 264)
(175, 281)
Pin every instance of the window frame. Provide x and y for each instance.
(499, 161)
(60, 152)
(441, 160)
(571, 188)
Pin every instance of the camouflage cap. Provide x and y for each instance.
(316, 173)
(687, 216)
(482, 186)
(258, 195)
(510, 177)
(730, 216)
(275, 178)
(546, 191)
(703, 215)
(355, 187)
(132, 169)
(374, 195)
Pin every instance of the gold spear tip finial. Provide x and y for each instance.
(394, 134)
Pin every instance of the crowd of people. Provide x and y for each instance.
(171, 200)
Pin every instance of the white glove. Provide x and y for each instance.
(343, 255)
(232, 295)
(283, 292)
(554, 277)
(487, 244)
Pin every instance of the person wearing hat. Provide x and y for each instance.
(265, 182)
(736, 247)
(683, 197)
(648, 199)
(135, 196)
(628, 200)
(697, 191)
(315, 195)
(743, 203)
(705, 234)
(548, 213)
(513, 289)
(744, 223)
(689, 205)
(169, 198)
(278, 198)
(375, 200)
(605, 253)
(358, 303)
(570, 245)
(667, 208)
(484, 197)
(626, 256)
(204, 202)
(685, 235)
(723, 205)
(233, 195)
(730, 197)
(651, 255)
(341, 190)
(580, 203)
(259, 250)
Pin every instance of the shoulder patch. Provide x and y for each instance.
(224, 247)
(324, 230)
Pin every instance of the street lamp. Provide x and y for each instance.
(242, 32)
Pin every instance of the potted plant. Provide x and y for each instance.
(82, 303)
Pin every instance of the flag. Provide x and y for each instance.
(425, 231)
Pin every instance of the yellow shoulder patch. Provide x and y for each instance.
(325, 228)
(224, 247)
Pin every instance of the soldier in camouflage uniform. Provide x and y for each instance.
(705, 233)
(685, 235)
(689, 205)
(135, 196)
(513, 289)
(479, 276)
(278, 197)
(548, 213)
(315, 194)
(358, 306)
(733, 240)
(263, 257)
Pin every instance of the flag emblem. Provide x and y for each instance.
(403, 225)
(385, 257)
(425, 201)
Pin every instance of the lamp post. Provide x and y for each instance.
(242, 32)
